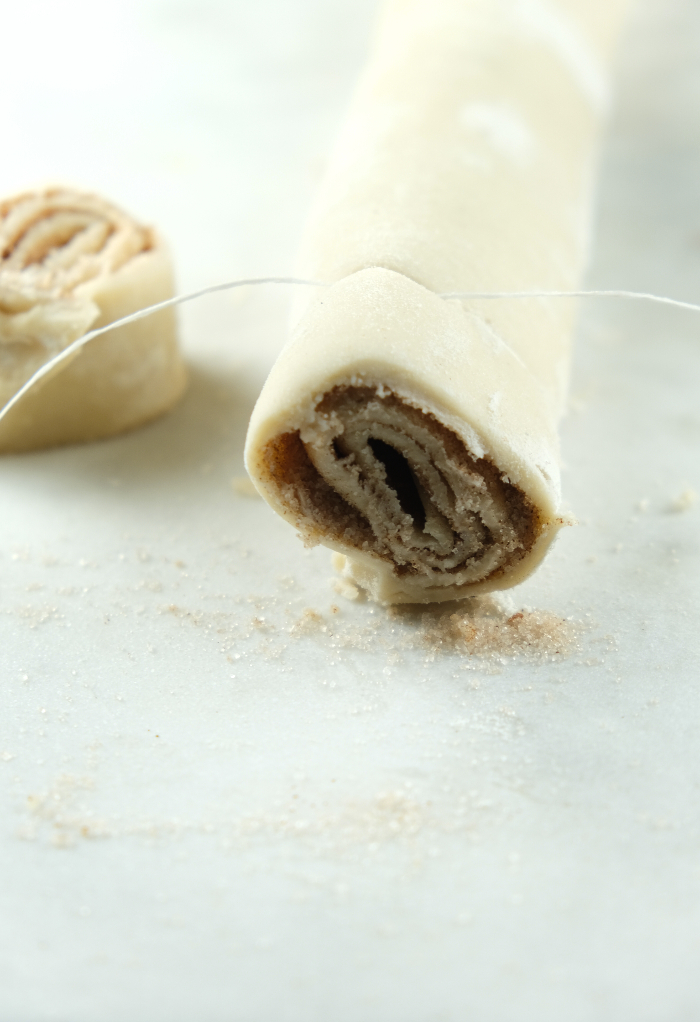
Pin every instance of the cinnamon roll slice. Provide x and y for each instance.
(71, 262)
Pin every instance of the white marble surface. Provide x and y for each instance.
(209, 817)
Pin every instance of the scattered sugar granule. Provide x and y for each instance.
(486, 628)
(684, 502)
(243, 486)
(309, 622)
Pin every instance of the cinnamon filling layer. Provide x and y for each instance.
(374, 473)
(53, 241)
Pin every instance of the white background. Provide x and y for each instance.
(212, 813)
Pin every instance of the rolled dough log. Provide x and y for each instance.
(71, 262)
(416, 436)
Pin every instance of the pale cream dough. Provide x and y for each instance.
(71, 262)
(416, 436)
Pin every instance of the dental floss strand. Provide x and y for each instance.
(67, 352)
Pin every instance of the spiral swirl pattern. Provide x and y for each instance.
(372, 472)
(71, 261)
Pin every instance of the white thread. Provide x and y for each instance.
(635, 295)
(49, 366)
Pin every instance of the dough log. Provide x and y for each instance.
(414, 435)
(71, 262)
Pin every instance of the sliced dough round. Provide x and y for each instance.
(71, 262)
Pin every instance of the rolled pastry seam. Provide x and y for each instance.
(71, 262)
(416, 436)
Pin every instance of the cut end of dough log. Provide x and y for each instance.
(373, 472)
(71, 262)
(376, 435)
(419, 517)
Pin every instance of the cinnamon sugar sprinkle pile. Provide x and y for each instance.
(486, 626)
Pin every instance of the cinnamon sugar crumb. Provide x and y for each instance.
(309, 622)
(486, 628)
